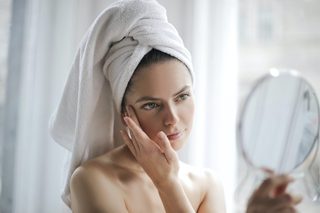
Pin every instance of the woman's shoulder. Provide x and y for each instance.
(210, 186)
(93, 168)
(203, 175)
(94, 185)
(102, 167)
(93, 173)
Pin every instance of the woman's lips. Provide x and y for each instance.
(175, 136)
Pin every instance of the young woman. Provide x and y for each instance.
(132, 66)
(144, 174)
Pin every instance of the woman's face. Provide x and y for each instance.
(161, 96)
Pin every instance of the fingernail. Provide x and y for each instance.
(128, 132)
(288, 178)
(296, 199)
(126, 119)
(268, 171)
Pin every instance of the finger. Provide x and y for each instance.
(164, 141)
(133, 139)
(159, 142)
(296, 199)
(285, 201)
(136, 131)
(282, 201)
(131, 136)
(128, 142)
(268, 187)
(284, 205)
(289, 209)
(128, 133)
(270, 172)
(279, 190)
(132, 115)
(166, 147)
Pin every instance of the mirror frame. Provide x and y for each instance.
(274, 73)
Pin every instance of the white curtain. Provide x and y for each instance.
(54, 28)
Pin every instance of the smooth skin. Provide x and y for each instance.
(145, 174)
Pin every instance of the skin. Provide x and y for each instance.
(145, 174)
(271, 196)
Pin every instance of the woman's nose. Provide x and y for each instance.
(171, 116)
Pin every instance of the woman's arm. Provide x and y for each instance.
(173, 197)
(92, 192)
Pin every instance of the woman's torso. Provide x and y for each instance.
(137, 190)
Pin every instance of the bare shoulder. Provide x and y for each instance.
(212, 199)
(94, 188)
(94, 172)
(202, 176)
(91, 173)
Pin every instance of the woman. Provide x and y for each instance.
(132, 67)
(158, 110)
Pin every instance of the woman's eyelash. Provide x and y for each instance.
(150, 106)
(183, 96)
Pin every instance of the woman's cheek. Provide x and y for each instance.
(148, 125)
(188, 108)
(189, 113)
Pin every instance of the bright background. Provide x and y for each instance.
(233, 42)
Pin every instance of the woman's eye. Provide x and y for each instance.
(183, 97)
(150, 106)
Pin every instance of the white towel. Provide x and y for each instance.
(87, 120)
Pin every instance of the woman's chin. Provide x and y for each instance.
(177, 144)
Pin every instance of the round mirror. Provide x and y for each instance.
(279, 124)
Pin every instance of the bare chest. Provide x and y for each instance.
(142, 197)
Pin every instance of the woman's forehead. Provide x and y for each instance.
(162, 78)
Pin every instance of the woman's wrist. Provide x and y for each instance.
(168, 183)
(173, 196)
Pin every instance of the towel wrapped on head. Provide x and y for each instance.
(87, 120)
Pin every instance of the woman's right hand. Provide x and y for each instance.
(158, 159)
(271, 196)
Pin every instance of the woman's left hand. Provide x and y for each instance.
(271, 196)
(157, 157)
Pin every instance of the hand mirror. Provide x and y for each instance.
(279, 123)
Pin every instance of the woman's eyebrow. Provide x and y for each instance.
(182, 90)
(149, 98)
